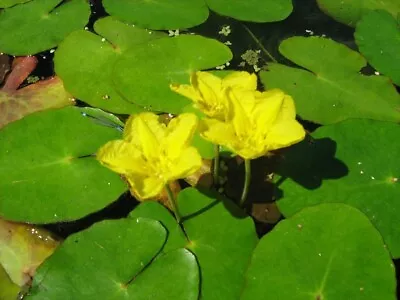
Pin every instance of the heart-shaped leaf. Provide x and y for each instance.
(143, 74)
(319, 253)
(378, 38)
(8, 3)
(117, 260)
(39, 25)
(89, 77)
(350, 12)
(159, 15)
(47, 163)
(333, 89)
(253, 10)
(354, 162)
(220, 236)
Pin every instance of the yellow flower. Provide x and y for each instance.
(152, 154)
(208, 92)
(261, 122)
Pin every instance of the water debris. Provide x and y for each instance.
(225, 30)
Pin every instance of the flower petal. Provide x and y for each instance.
(243, 80)
(217, 132)
(267, 109)
(188, 163)
(179, 134)
(122, 157)
(144, 187)
(144, 131)
(288, 110)
(187, 91)
(284, 134)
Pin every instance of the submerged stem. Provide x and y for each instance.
(173, 204)
(266, 52)
(247, 178)
(216, 165)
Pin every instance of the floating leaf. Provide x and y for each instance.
(39, 25)
(23, 248)
(350, 12)
(253, 10)
(89, 77)
(52, 170)
(8, 3)
(144, 73)
(124, 257)
(220, 236)
(333, 89)
(158, 15)
(378, 38)
(319, 253)
(45, 94)
(354, 162)
(8, 289)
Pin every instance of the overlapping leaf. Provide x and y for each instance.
(350, 12)
(47, 171)
(319, 253)
(332, 89)
(118, 260)
(23, 248)
(354, 162)
(218, 234)
(378, 38)
(39, 25)
(89, 77)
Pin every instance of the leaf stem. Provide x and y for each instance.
(172, 202)
(247, 179)
(266, 52)
(216, 165)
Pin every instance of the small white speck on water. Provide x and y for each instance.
(377, 73)
(52, 50)
(86, 28)
(228, 43)
(310, 32)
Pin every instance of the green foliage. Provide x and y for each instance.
(117, 260)
(9, 3)
(316, 255)
(52, 169)
(331, 89)
(350, 12)
(165, 61)
(381, 48)
(220, 236)
(353, 162)
(253, 10)
(158, 15)
(40, 25)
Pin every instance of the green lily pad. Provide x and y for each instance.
(350, 12)
(117, 260)
(219, 234)
(9, 3)
(39, 25)
(23, 248)
(50, 174)
(354, 162)
(143, 74)
(331, 89)
(89, 77)
(8, 289)
(320, 253)
(378, 38)
(253, 10)
(159, 15)
(154, 210)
